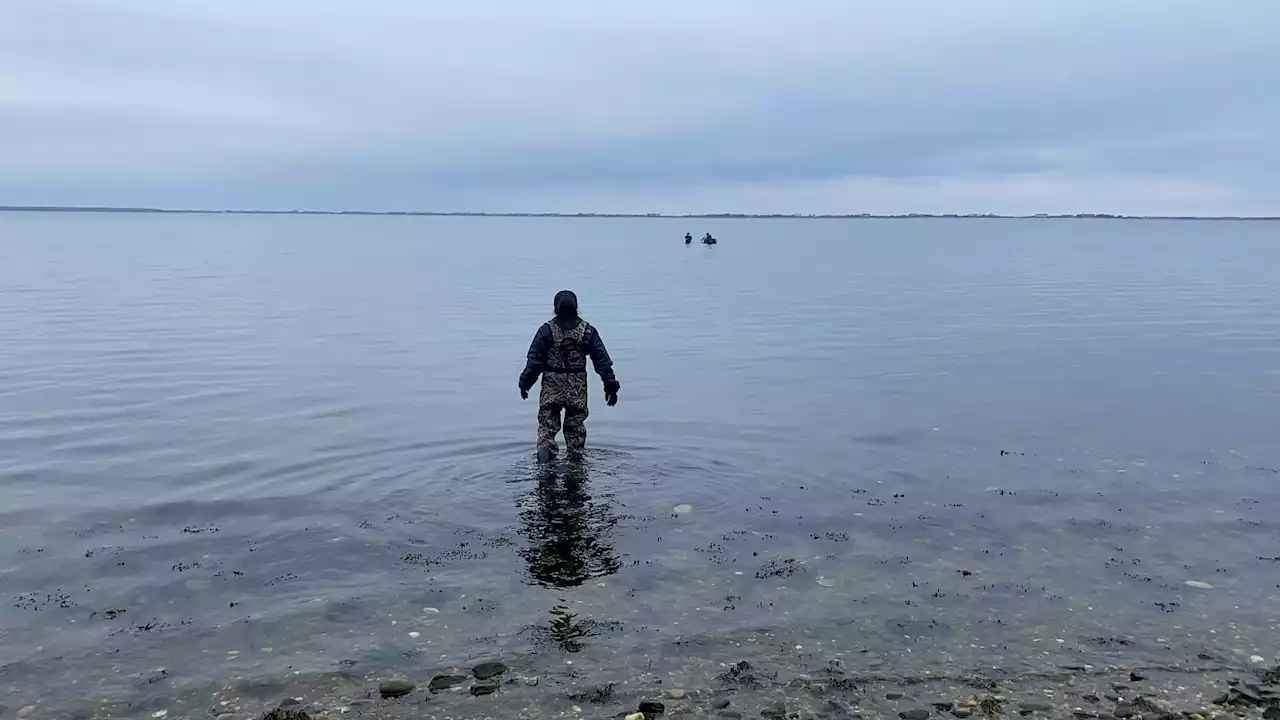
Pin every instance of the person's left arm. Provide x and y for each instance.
(604, 365)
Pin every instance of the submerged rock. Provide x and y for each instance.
(600, 695)
(777, 712)
(675, 693)
(650, 707)
(916, 714)
(484, 688)
(397, 687)
(1125, 710)
(440, 683)
(486, 670)
(282, 714)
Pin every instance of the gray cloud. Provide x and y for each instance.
(806, 106)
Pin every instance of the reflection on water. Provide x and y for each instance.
(569, 533)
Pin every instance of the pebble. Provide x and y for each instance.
(395, 688)
(1125, 710)
(444, 682)
(415, 634)
(676, 693)
(482, 688)
(26, 712)
(635, 716)
(1136, 676)
(1199, 585)
(962, 712)
(1257, 659)
(1034, 707)
(719, 704)
(486, 670)
(777, 712)
(1271, 713)
(648, 707)
(730, 714)
(159, 713)
(893, 696)
(917, 714)
(682, 509)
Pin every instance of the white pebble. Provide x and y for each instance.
(414, 634)
(1199, 585)
(159, 713)
(430, 610)
(1257, 659)
(682, 509)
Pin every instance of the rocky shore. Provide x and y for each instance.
(491, 689)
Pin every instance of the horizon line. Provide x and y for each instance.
(687, 216)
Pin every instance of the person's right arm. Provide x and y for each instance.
(536, 359)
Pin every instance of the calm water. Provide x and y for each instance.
(273, 447)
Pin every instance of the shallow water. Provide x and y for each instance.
(257, 448)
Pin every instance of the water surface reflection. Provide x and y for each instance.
(569, 533)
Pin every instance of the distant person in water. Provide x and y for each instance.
(558, 354)
(688, 238)
(708, 240)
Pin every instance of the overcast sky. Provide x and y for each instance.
(1009, 106)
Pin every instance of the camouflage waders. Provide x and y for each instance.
(564, 389)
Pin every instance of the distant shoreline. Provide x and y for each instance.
(695, 216)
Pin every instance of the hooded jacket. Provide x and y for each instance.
(566, 317)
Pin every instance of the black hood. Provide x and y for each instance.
(566, 305)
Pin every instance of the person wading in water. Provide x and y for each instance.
(558, 354)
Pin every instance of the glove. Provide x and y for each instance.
(611, 399)
(524, 394)
(611, 392)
